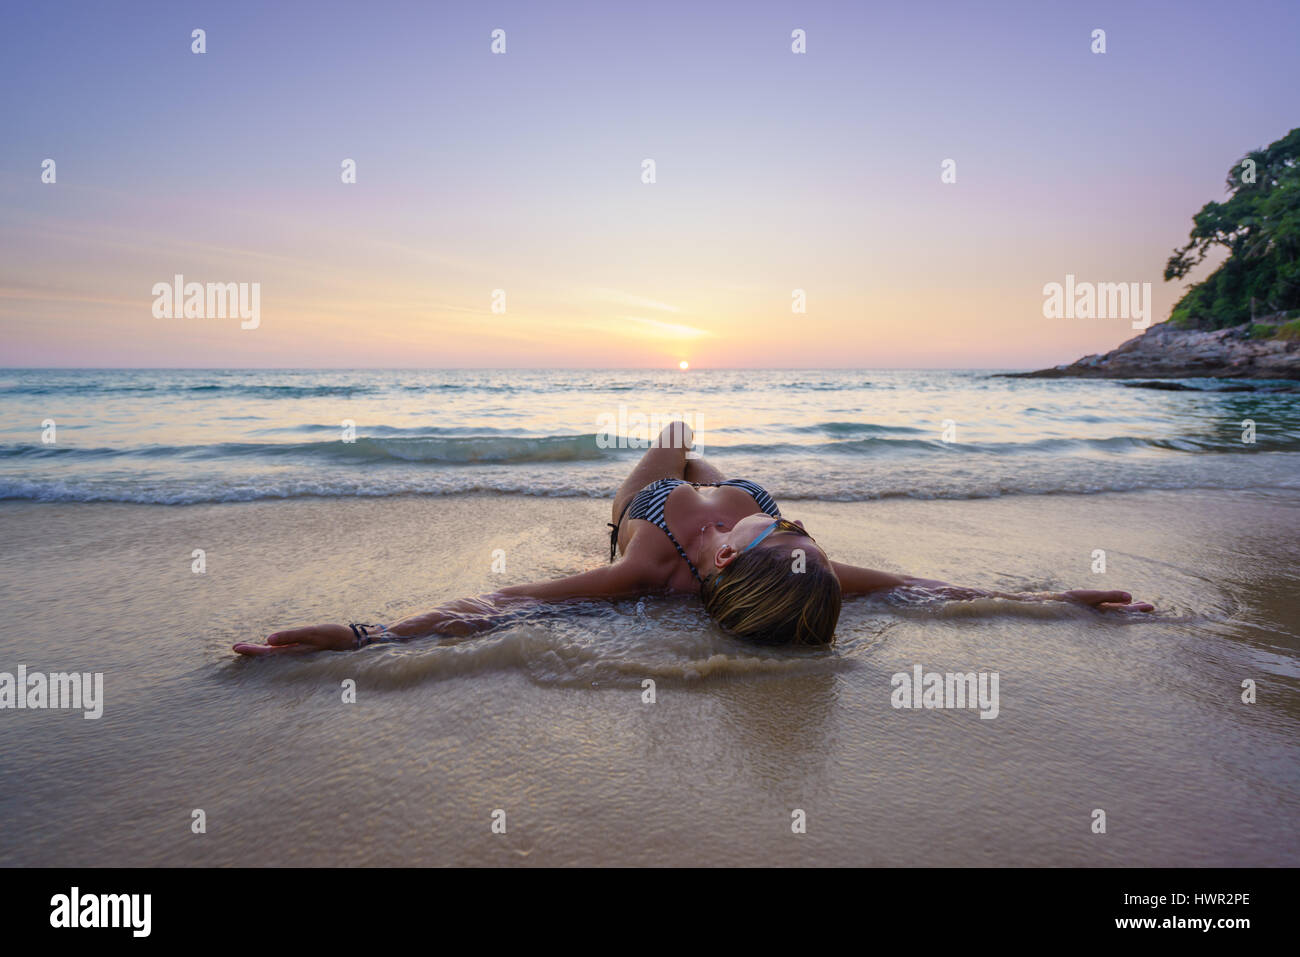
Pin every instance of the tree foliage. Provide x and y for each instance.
(1259, 225)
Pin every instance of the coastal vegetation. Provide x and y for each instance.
(1259, 227)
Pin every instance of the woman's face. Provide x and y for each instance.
(722, 543)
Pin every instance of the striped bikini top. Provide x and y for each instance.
(648, 504)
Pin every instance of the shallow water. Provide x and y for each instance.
(1137, 715)
(169, 436)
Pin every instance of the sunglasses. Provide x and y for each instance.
(780, 525)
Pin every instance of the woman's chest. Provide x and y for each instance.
(688, 509)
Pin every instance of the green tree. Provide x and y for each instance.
(1260, 227)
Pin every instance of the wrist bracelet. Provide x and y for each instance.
(363, 638)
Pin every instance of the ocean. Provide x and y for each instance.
(184, 437)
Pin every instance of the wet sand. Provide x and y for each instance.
(545, 719)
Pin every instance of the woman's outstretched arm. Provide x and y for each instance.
(467, 616)
(862, 581)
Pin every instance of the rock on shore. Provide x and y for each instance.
(1167, 352)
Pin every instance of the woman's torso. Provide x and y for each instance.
(665, 519)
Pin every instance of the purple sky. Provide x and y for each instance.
(522, 172)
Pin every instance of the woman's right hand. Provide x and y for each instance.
(296, 640)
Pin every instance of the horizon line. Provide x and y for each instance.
(507, 369)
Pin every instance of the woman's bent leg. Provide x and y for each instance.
(665, 459)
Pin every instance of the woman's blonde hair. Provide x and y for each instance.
(761, 597)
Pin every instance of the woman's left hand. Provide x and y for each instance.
(1107, 600)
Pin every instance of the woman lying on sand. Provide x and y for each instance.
(682, 527)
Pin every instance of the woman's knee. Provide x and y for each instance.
(676, 435)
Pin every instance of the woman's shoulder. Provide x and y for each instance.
(651, 554)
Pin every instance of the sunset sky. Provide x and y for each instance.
(522, 172)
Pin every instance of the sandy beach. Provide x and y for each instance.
(545, 719)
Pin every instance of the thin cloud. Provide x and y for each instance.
(674, 329)
(626, 299)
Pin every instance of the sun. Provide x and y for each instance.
(683, 365)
